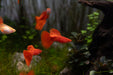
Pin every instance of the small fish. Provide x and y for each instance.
(47, 39)
(41, 20)
(5, 29)
(29, 53)
(29, 73)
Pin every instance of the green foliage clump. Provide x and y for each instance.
(91, 26)
(79, 57)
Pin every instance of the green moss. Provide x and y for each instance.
(52, 62)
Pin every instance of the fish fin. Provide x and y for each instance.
(46, 40)
(37, 18)
(41, 21)
(36, 51)
(54, 33)
(40, 24)
(28, 57)
(29, 47)
(32, 50)
(44, 15)
(31, 72)
(62, 39)
(1, 20)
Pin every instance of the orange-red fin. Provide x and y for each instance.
(32, 50)
(36, 51)
(62, 39)
(54, 33)
(41, 20)
(46, 39)
(28, 57)
(37, 18)
(40, 24)
(31, 72)
(44, 16)
(29, 47)
(1, 20)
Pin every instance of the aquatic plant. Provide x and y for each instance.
(79, 56)
(91, 26)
